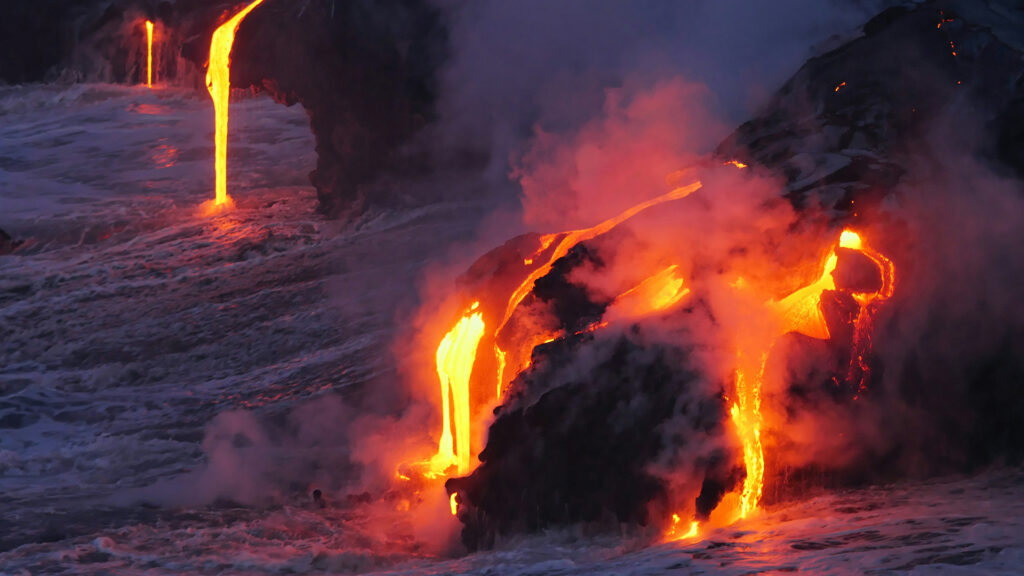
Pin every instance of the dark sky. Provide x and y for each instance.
(516, 63)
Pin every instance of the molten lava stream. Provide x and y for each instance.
(149, 53)
(746, 416)
(455, 358)
(656, 293)
(457, 351)
(799, 312)
(218, 82)
(675, 532)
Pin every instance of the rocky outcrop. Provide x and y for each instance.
(575, 441)
(580, 451)
(845, 129)
(840, 129)
(578, 446)
(364, 70)
(7, 244)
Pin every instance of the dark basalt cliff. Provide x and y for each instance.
(842, 127)
(364, 70)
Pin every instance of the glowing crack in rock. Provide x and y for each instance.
(655, 294)
(453, 501)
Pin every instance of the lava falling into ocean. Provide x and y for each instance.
(218, 82)
(574, 304)
(149, 53)
(799, 312)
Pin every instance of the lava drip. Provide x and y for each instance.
(149, 53)
(218, 82)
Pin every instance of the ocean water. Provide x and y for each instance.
(170, 382)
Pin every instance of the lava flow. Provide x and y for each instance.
(149, 53)
(218, 82)
(654, 294)
(455, 358)
(800, 312)
(457, 351)
(565, 242)
(675, 531)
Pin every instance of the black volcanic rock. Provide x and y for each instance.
(842, 127)
(571, 304)
(364, 70)
(7, 244)
(579, 451)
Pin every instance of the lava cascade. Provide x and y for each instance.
(218, 82)
(458, 356)
(799, 312)
(149, 53)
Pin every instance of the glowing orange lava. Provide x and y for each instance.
(455, 358)
(570, 239)
(943, 20)
(457, 351)
(799, 312)
(218, 82)
(562, 244)
(454, 503)
(840, 85)
(675, 532)
(654, 294)
(149, 53)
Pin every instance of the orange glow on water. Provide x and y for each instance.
(149, 53)
(676, 531)
(218, 82)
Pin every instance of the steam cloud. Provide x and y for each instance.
(518, 65)
(589, 106)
